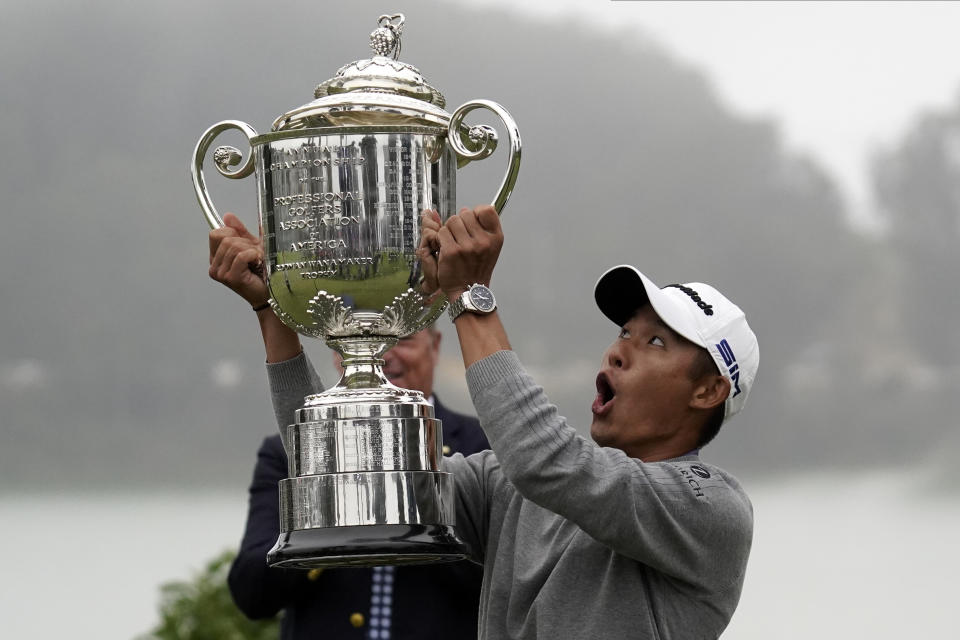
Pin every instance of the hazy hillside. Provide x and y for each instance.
(122, 363)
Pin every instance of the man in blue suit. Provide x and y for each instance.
(384, 603)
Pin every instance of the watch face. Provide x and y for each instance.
(482, 298)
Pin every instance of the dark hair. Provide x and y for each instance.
(702, 366)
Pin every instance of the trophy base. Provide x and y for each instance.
(367, 546)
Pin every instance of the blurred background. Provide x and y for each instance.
(804, 158)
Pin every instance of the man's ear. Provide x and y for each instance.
(710, 392)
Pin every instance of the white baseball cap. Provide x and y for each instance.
(696, 311)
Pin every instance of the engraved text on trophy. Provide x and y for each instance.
(343, 214)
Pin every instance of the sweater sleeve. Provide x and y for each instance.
(290, 382)
(474, 484)
(682, 517)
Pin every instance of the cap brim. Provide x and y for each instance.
(623, 290)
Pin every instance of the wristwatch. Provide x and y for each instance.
(476, 299)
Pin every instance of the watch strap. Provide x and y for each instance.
(457, 306)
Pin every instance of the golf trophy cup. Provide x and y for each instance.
(342, 182)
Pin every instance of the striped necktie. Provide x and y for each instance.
(381, 604)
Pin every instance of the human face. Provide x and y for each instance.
(644, 391)
(410, 363)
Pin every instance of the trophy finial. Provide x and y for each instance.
(385, 39)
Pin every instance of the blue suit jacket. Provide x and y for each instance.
(430, 602)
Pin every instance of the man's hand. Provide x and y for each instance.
(464, 250)
(236, 260)
(454, 256)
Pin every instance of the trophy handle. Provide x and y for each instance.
(484, 139)
(224, 157)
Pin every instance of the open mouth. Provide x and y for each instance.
(605, 395)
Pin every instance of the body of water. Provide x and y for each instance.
(835, 556)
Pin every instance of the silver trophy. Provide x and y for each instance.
(342, 182)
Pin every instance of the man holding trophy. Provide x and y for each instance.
(627, 536)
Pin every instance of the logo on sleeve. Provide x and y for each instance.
(733, 369)
(690, 474)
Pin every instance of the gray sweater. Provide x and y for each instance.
(581, 541)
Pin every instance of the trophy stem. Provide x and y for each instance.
(362, 373)
(363, 378)
(362, 361)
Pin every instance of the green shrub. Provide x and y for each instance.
(202, 609)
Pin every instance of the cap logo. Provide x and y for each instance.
(732, 367)
(706, 308)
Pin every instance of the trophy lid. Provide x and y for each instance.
(376, 91)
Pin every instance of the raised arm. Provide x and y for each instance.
(662, 514)
(236, 261)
